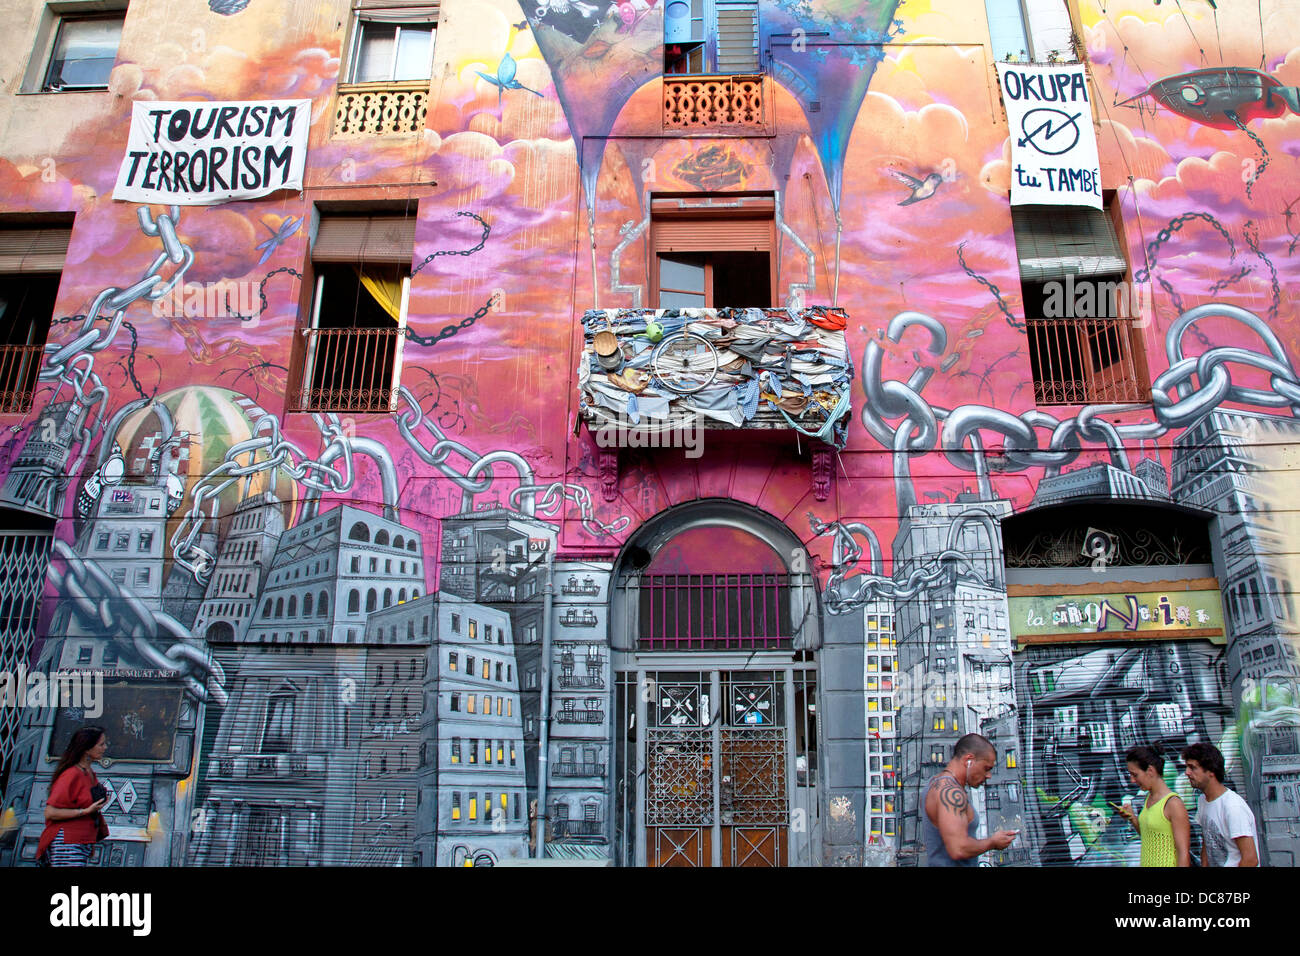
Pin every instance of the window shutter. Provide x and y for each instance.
(1055, 241)
(37, 249)
(738, 37)
(365, 239)
(394, 11)
(715, 224)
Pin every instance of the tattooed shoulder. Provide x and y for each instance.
(952, 796)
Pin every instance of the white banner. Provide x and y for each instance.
(199, 154)
(1053, 144)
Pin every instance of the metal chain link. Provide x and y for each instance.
(1251, 232)
(997, 294)
(1205, 379)
(447, 331)
(278, 453)
(107, 606)
(478, 477)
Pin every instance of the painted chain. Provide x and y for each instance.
(278, 453)
(478, 477)
(102, 603)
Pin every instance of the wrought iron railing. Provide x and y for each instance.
(708, 102)
(692, 612)
(19, 365)
(580, 716)
(593, 681)
(571, 768)
(348, 370)
(373, 109)
(564, 828)
(1083, 361)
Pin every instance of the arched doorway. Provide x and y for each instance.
(714, 627)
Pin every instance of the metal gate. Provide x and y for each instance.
(23, 559)
(727, 761)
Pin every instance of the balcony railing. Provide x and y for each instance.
(373, 109)
(710, 102)
(593, 681)
(572, 768)
(19, 365)
(580, 716)
(1083, 361)
(348, 370)
(564, 828)
(276, 766)
(697, 612)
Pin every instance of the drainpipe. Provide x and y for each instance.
(543, 742)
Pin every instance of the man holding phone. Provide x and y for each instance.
(950, 822)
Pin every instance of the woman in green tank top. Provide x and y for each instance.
(1163, 823)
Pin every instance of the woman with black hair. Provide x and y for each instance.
(1162, 823)
(73, 823)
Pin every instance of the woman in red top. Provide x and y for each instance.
(73, 824)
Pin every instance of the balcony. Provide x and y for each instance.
(348, 370)
(272, 766)
(572, 768)
(376, 109)
(19, 365)
(1084, 361)
(708, 103)
(573, 716)
(659, 378)
(580, 681)
(566, 829)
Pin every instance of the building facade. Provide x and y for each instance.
(645, 431)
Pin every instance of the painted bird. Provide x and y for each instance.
(278, 236)
(921, 188)
(505, 78)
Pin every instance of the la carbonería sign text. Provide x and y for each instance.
(1053, 144)
(199, 154)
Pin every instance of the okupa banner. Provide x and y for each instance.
(1053, 144)
(199, 154)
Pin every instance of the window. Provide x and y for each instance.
(473, 747)
(277, 733)
(487, 669)
(455, 703)
(393, 43)
(351, 355)
(1030, 30)
(451, 661)
(1078, 306)
(708, 257)
(469, 666)
(83, 53)
(472, 702)
(145, 541)
(455, 623)
(473, 633)
(455, 805)
(706, 36)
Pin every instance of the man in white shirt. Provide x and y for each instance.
(1226, 822)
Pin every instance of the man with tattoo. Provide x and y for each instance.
(950, 822)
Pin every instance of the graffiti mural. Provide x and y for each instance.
(399, 620)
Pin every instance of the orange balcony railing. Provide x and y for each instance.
(712, 102)
(373, 109)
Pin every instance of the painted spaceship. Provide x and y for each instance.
(1223, 97)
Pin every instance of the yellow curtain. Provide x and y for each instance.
(384, 289)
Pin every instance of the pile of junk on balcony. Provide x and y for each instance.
(730, 368)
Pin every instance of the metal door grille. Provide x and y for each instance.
(679, 782)
(23, 560)
(753, 775)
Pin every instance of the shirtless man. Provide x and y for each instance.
(950, 821)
